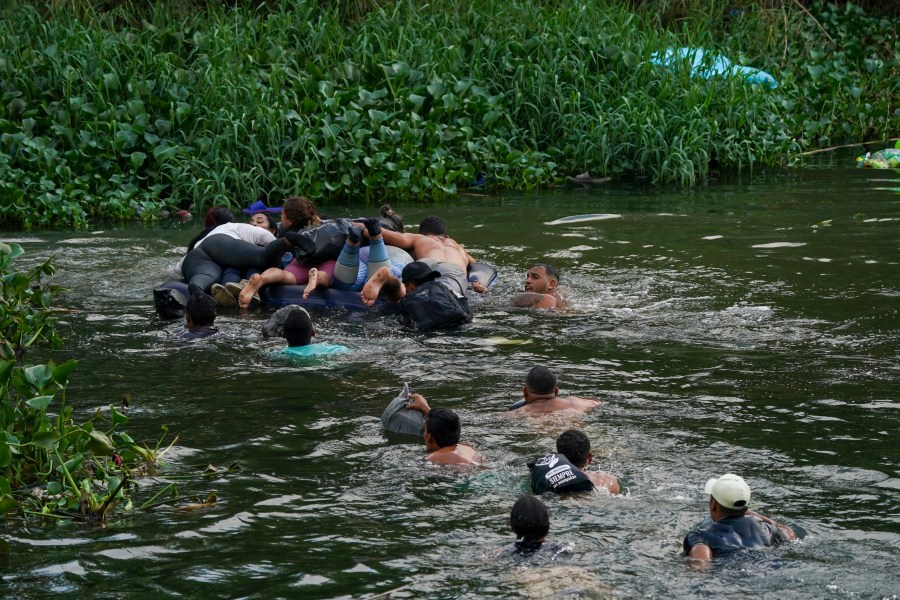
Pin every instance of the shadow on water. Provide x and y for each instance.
(744, 327)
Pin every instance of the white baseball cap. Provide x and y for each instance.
(731, 491)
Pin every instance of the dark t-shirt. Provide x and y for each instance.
(732, 534)
(554, 473)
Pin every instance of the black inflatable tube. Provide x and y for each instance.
(282, 295)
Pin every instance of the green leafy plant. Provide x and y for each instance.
(50, 465)
(120, 114)
(25, 315)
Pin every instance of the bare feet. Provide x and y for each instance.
(313, 282)
(250, 292)
(373, 286)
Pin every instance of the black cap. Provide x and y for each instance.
(418, 273)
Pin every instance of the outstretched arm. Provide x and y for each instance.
(784, 528)
(400, 240)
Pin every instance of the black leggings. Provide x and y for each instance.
(203, 265)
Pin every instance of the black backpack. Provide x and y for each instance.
(318, 243)
(554, 473)
(433, 305)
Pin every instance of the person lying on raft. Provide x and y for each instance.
(296, 213)
(215, 216)
(434, 247)
(541, 288)
(239, 245)
(223, 297)
(342, 275)
(541, 395)
(442, 432)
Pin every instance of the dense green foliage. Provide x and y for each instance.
(407, 100)
(49, 465)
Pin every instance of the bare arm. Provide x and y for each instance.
(400, 240)
(784, 528)
(419, 403)
(701, 552)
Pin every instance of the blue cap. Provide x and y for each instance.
(260, 206)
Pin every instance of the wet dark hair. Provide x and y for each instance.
(201, 308)
(298, 329)
(540, 380)
(443, 425)
(550, 270)
(529, 520)
(301, 212)
(217, 215)
(432, 226)
(575, 446)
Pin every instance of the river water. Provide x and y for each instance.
(749, 326)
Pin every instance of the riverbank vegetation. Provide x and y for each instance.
(51, 466)
(114, 111)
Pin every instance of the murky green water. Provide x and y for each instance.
(747, 327)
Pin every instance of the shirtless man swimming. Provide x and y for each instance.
(541, 288)
(541, 395)
(431, 246)
(441, 435)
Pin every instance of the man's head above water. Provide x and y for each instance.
(541, 279)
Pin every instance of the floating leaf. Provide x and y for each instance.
(40, 403)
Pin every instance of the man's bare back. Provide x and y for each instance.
(547, 405)
(440, 248)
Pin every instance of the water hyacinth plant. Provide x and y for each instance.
(50, 465)
(120, 114)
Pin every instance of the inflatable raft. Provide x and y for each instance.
(170, 297)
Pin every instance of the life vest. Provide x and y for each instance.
(554, 473)
(433, 305)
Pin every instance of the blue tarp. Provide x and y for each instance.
(709, 64)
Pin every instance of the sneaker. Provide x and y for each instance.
(235, 288)
(223, 297)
